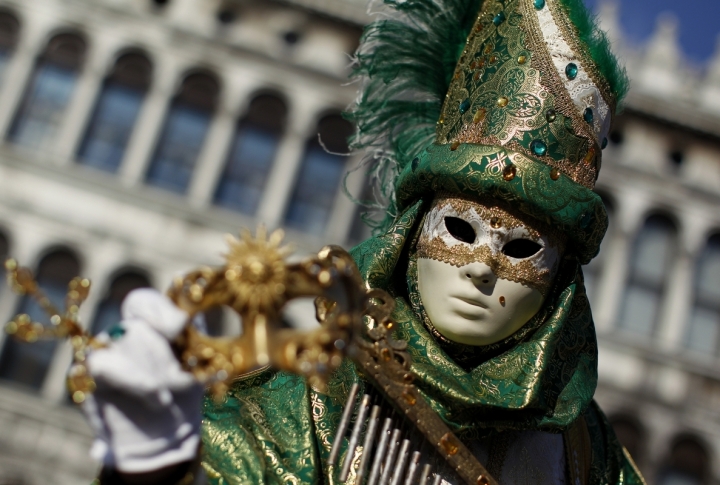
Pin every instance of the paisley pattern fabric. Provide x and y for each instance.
(511, 88)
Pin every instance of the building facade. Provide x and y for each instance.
(136, 133)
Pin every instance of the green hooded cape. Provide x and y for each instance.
(272, 428)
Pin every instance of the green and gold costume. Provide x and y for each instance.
(472, 105)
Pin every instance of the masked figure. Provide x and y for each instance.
(487, 120)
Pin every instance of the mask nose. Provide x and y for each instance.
(481, 275)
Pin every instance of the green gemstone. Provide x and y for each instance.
(538, 147)
(116, 332)
(604, 143)
(588, 115)
(539, 4)
(499, 18)
(571, 71)
(550, 115)
(464, 106)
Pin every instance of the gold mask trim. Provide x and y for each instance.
(495, 225)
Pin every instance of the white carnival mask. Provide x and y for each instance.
(483, 271)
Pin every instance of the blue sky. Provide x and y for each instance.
(699, 22)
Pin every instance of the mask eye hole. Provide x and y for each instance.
(460, 229)
(521, 248)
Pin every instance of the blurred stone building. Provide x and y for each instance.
(135, 133)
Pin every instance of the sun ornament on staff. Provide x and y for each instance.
(256, 282)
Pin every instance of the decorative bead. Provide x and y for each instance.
(493, 59)
(476, 76)
(502, 300)
(554, 173)
(480, 63)
(539, 4)
(604, 143)
(464, 106)
(499, 18)
(590, 156)
(509, 173)
(550, 115)
(588, 115)
(538, 147)
(522, 59)
(586, 219)
(571, 71)
(116, 332)
(449, 444)
(454, 145)
(482, 480)
(489, 48)
(480, 115)
(495, 222)
(502, 101)
(441, 121)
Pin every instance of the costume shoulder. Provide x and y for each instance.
(261, 432)
(611, 462)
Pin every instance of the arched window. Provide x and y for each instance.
(631, 435)
(9, 32)
(688, 464)
(108, 311)
(320, 176)
(253, 151)
(28, 363)
(593, 271)
(704, 330)
(116, 110)
(48, 92)
(184, 132)
(650, 265)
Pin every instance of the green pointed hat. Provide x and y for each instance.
(511, 99)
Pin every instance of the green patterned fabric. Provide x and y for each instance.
(480, 67)
(272, 428)
(475, 170)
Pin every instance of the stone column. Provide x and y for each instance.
(680, 285)
(18, 76)
(150, 121)
(213, 156)
(343, 212)
(302, 120)
(79, 110)
(614, 275)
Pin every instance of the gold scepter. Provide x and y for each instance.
(256, 281)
